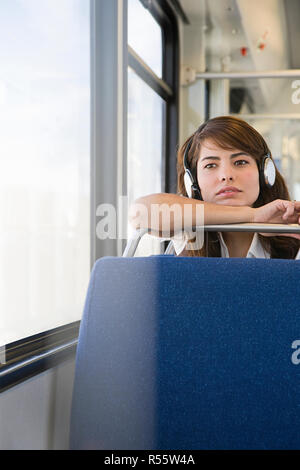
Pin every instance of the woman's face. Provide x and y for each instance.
(218, 169)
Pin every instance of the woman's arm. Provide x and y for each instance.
(163, 211)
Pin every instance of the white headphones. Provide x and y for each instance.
(267, 174)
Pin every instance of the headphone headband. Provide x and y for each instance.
(185, 163)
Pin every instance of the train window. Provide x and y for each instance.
(45, 165)
(145, 137)
(145, 140)
(152, 99)
(57, 117)
(145, 36)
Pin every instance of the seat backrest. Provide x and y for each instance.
(189, 353)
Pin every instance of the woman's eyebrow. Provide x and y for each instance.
(233, 155)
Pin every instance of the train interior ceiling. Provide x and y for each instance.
(244, 53)
(243, 36)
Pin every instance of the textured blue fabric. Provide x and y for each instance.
(188, 353)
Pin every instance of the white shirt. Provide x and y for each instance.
(256, 249)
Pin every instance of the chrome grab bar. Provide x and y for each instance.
(134, 241)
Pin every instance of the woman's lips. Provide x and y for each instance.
(228, 193)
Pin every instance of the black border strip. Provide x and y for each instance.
(171, 64)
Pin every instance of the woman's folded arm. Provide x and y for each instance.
(165, 214)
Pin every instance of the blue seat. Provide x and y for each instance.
(189, 353)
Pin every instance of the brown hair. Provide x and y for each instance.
(229, 132)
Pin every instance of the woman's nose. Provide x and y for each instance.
(229, 178)
(226, 173)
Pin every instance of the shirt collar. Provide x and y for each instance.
(256, 249)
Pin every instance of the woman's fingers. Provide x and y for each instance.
(290, 215)
(289, 208)
(278, 211)
(291, 211)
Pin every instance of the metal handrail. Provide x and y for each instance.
(6, 370)
(134, 241)
(290, 73)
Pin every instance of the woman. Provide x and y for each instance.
(224, 159)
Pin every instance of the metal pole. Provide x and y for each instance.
(133, 242)
(244, 227)
(291, 116)
(265, 74)
(248, 227)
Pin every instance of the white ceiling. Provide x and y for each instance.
(251, 19)
(233, 24)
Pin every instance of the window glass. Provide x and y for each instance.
(145, 147)
(44, 164)
(145, 36)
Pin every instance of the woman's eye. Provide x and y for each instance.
(210, 165)
(237, 163)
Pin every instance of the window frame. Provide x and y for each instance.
(35, 354)
(167, 87)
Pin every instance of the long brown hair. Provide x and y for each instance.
(232, 133)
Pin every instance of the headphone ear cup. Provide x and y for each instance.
(267, 172)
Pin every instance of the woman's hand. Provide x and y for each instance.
(279, 211)
(141, 215)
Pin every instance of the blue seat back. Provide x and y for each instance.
(189, 353)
